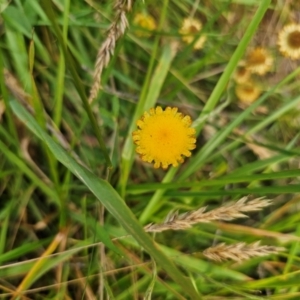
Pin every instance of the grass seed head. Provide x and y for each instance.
(239, 251)
(229, 212)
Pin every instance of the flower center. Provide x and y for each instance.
(248, 89)
(294, 39)
(193, 29)
(241, 71)
(256, 58)
(164, 137)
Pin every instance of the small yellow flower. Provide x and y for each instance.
(146, 22)
(247, 92)
(164, 137)
(259, 61)
(289, 41)
(189, 30)
(241, 74)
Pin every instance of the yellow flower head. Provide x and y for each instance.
(164, 137)
(247, 92)
(259, 61)
(189, 30)
(289, 41)
(241, 74)
(146, 22)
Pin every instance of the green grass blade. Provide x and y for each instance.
(60, 79)
(146, 187)
(262, 191)
(105, 193)
(13, 158)
(4, 92)
(78, 84)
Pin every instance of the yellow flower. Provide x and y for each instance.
(289, 41)
(259, 61)
(241, 74)
(164, 137)
(189, 30)
(146, 22)
(247, 92)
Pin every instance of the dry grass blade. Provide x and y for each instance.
(239, 252)
(115, 31)
(175, 221)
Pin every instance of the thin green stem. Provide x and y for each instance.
(11, 124)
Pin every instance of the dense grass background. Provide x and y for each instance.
(71, 226)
